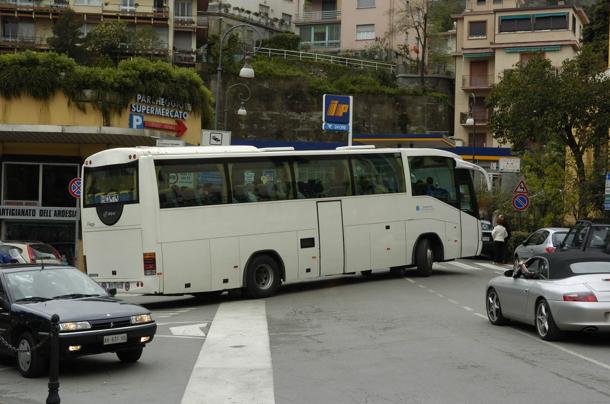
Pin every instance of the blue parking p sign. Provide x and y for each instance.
(136, 121)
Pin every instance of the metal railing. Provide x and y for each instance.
(477, 81)
(23, 42)
(203, 21)
(31, 5)
(185, 21)
(311, 16)
(481, 117)
(184, 58)
(322, 57)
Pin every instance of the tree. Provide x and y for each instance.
(67, 37)
(425, 19)
(596, 32)
(537, 103)
(107, 38)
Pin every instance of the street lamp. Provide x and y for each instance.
(471, 121)
(242, 107)
(246, 72)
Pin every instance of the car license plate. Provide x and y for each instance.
(115, 339)
(485, 238)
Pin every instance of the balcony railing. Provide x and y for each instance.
(31, 5)
(322, 44)
(473, 82)
(185, 58)
(313, 16)
(184, 21)
(25, 42)
(203, 21)
(481, 117)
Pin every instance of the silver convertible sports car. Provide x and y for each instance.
(566, 291)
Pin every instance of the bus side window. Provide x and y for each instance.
(434, 176)
(378, 174)
(323, 177)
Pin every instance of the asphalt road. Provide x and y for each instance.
(382, 339)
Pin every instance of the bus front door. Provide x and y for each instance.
(330, 229)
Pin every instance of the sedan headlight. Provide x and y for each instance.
(74, 326)
(141, 318)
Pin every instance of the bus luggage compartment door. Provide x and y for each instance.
(330, 228)
(115, 254)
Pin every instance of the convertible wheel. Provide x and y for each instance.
(545, 325)
(494, 310)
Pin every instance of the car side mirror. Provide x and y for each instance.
(112, 291)
(508, 273)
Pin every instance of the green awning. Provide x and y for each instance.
(479, 55)
(515, 17)
(551, 15)
(551, 48)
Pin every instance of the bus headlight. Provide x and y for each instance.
(141, 318)
(74, 326)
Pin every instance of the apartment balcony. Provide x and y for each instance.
(477, 82)
(35, 7)
(185, 23)
(23, 43)
(184, 58)
(309, 17)
(481, 117)
(203, 21)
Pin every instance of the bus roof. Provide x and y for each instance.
(127, 154)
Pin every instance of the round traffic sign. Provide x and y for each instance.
(74, 187)
(521, 202)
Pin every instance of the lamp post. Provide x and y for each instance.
(471, 121)
(246, 72)
(242, 108)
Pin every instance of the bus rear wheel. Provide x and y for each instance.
(424, 258)
(262, 277)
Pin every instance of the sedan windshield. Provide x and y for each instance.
(51, 283)
(591, 267)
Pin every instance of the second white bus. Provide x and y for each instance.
(192, 220)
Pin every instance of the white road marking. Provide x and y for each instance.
(193, 330)
(421, 286)
(181, 322)
(480, 315)
(566, 350)
(468, 308)
(440, 266)
(492, 266)
(410, 280)
(179, 336)
(234, 365)
(465, 266)
(441, 296)
(431, 290)
(452, 301)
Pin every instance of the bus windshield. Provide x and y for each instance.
(111, 184)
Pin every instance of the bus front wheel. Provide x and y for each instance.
(424, 258)
(262, 277)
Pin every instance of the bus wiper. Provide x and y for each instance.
(33, 299)
(73, 296)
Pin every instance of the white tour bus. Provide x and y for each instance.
(189, 220)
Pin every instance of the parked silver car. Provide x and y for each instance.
(544, 240)
(556, 292)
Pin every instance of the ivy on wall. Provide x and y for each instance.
(107, 89)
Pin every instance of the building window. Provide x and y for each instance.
(287, 18)
(183, 9)
(128, 5)
(263, 9)
(55, 192)
(477, 29)
(88, 2)
(33, 184)
(21, 184)
(524, 58)
(321, 35)
(481, 2)
(574, 24)
(497, 1)
(550, 22)
(365, 32)
(516, 23)
(365, 4)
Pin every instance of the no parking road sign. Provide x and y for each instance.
(74, 188)
(521, 202)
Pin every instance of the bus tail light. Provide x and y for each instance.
(150, 263)
(31, 254)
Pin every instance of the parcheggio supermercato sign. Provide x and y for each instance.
(41, 213)
(160, 107)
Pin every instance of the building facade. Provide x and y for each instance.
(492, 37)
(348, 25)
(27, 24)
